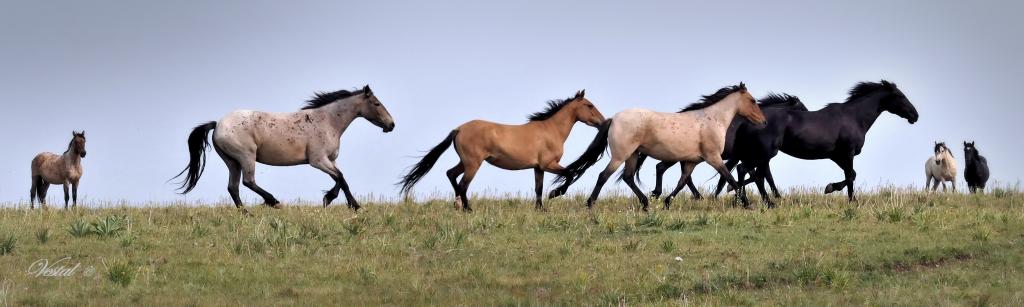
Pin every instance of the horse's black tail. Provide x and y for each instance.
(594, 152)
(420, 169)
(197, 143)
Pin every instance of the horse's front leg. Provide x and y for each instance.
(332, 170)
(846, 163)
(716, 162)
(74, 194)
(67, 196)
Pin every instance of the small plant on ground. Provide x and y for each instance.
(121, 273)
(7, 245)
(43, 235)
(79, 229)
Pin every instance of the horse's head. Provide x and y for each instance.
(941, 151)
(896, 102)
(77, 143)
(584, 111)
(748, 107)
(372, 110)
(970, 152)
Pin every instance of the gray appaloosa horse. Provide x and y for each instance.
(309, 136)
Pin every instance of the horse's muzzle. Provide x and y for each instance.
(389, 128)
(82, 154)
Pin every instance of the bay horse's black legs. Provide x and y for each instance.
(538, 181)
(684, 180)
(453, 178)
(771, 180)
(659, 172)
(467, 178)
(629, 176)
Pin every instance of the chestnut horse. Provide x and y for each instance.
(537, 145)
(695, 135)
(65, 169)
(310, 136)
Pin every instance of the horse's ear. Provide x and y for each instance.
(367, 91)
(743, 87)
(580, 94)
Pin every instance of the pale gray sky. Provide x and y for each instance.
(137, 75)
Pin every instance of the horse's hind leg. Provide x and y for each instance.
(249, 180)
(760, 173)
(603, 178)
(453, 178)
(659, 172)
(771, 180)
(470, 171)
(684, 180)
(32, 194)
(41, 189)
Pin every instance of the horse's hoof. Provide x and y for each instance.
(555, 193)
(828, 189)
(458, 202)
(668, 202)
(655, 194)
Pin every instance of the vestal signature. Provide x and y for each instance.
(60, 268)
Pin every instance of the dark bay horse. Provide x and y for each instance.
(695, 135)
(536, 145)
(65, 170)
(837, 131)
(976, 170)
(745, 142)
(310, 136)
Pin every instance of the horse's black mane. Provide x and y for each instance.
(553, 107)
(320, 99)
(867, 88)
(709, 100)
(781, 100)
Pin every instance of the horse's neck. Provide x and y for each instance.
(71, 157)
(561, 124)
(723, 112)
(865, 111)
(339, 116)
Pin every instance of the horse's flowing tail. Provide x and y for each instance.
(197, 143)
(420, 169)
(594, 152)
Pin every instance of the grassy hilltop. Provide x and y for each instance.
(893, 247)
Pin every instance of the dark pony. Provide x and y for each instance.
(976, 172)
(837, 131)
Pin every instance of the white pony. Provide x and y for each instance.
(940, 167)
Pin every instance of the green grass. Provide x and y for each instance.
(893, 247)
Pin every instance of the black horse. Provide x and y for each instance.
(976, 172)
(745, 142)
(837, 131)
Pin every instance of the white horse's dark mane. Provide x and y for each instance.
(320, 99)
